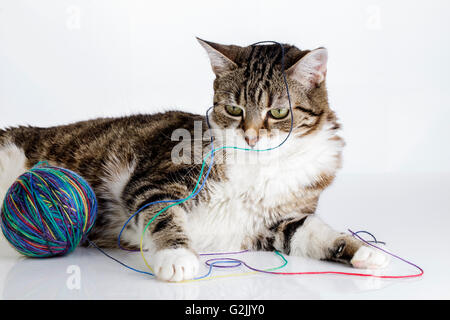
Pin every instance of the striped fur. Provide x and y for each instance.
(250, 201)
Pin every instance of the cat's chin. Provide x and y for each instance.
(265, 153)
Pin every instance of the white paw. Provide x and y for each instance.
(369, 258)
(175, 264)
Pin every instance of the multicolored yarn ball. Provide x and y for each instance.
(47, 211)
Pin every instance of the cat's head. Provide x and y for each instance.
(250, 96)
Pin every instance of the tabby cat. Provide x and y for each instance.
(260, 201)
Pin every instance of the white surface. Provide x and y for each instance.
(410, 213)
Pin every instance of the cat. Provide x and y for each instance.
(259, 201)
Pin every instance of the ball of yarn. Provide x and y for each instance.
(47, 211)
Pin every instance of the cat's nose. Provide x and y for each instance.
(251, 139)
(252, 127)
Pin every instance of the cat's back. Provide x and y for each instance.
(89, 143)
(93, 129)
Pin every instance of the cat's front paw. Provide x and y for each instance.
(369, 258)
(175, 264)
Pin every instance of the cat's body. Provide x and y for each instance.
(251, 200)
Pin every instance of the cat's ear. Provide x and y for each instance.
(311, 69)
(219, 55)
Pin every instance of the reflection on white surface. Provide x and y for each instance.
(100, 278)
(409, 213)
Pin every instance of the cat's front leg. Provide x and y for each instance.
(309, 236)
(169, 252)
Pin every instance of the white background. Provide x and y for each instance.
(388, 79)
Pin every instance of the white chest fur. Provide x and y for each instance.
(258, 180)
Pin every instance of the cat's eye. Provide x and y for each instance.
(279, 113)
(234, 111)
